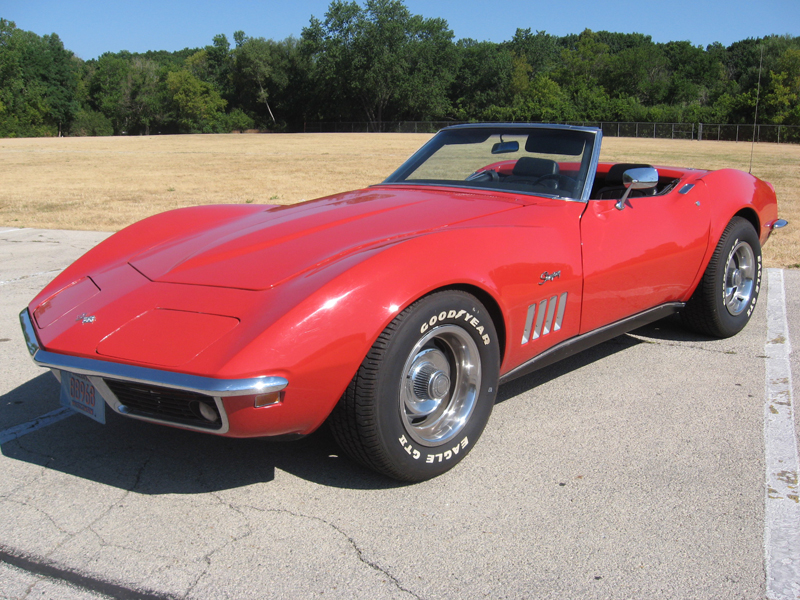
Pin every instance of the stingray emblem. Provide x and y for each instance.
(545, 277)
(84, 318)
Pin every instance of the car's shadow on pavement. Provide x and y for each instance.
(665, 330)
(153, 459)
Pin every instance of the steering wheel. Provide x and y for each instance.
(486, 175)
(557, 182)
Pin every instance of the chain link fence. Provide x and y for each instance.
(383, 126)
(780, 134)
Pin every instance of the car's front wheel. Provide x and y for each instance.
(727, 294)
(425, 390)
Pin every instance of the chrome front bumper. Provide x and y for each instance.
(99, 370)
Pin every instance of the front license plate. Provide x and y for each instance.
(78, 393)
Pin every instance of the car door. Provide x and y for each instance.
(644, 255)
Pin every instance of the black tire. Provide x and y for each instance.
(727, 294)
(425, 390)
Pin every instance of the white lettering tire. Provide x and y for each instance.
(425, 390)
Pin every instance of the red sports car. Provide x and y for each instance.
(394, 312)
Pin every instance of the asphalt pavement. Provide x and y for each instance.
(636, 469)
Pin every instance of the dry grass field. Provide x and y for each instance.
(106, 183)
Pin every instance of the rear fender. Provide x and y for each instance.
(731, 192)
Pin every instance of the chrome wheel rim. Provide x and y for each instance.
(440, 385)
(739, 278)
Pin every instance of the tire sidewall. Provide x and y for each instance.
(742, 231)
(414, 460)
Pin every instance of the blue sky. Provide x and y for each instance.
(92, 27)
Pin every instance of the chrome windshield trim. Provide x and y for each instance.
(169, 379)
(592, 172)
(592, 157)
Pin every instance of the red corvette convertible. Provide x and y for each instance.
(394, 312)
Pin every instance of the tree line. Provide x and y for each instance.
(378, 62)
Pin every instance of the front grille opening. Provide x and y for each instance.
(166, 404)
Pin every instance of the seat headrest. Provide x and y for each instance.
(528, 166)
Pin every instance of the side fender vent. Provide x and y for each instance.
(549, 315)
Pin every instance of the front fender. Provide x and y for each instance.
(319, 341)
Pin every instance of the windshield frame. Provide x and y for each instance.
(590, 159)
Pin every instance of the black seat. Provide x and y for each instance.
(612, 184)
(529, 169)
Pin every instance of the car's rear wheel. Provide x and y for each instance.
(727, 294)
(425, 390)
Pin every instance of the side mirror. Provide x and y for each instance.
(637, 179)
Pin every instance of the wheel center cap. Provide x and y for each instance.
(438, 385)
(428, 383)
(737, 278)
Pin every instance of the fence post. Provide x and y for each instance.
(737, 133)
(673, 131)
(699, 131)
(779, 134)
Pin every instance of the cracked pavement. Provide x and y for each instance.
(633, 470)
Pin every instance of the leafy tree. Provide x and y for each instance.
(220, 64)
(382, 58)
(783, 99)
(91, 123)
(641, 71)
(482, 78)
(145, 105)
(583, 64)
(109, 89)
(236, 120)
(197, 106)
(38, 83)
(260, 68)
(197, 65)
(377, 61)
(540, 50)
(431, 62)
(59, 75)
(620, 42)
(128, 90)
(541, 99)
(695, 74)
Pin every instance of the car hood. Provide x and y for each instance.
(263, 249)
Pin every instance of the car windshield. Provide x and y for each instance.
(542, 160)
